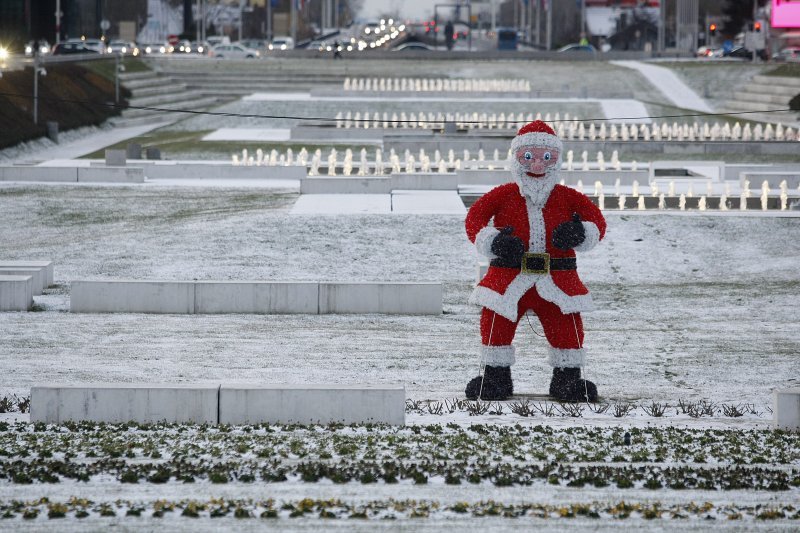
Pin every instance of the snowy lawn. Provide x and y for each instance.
(690, 308)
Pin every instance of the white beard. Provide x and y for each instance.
(537, 190)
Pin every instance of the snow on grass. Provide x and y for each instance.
(690, 308)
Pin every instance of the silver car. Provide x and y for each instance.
(233, 51)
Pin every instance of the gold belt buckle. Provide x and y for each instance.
(545, 257)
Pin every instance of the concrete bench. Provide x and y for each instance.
(117, 403)
(46, 266)
(312, 404)
(432, 181)
(786, 409)
(345, 185)
(265, 297)
(16, 293)
(39, 276)
(186, 170)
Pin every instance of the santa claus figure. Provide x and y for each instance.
(530, 230)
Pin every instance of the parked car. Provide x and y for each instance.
(580, 48)
(412, 47)
(95, 44)
(72, 46)
(790, 53)
(233, 51)
(743, 53)
(281, 43)
(708, 52)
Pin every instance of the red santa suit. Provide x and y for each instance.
(534, 207)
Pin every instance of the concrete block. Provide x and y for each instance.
(181, 170)
(701, 170)
(431, 182)
(312, 404)
(39, 276)
(116, 158)
(256, 297)
(110, 175)
(134, 151)
(36, 173)
(16, 293)
(345, 185)
(47, 266)
(131, 296)
(153, 153)
(484, 177)
(786, 406)
(389, 298)
(118, 403)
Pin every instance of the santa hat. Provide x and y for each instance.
(536, 133)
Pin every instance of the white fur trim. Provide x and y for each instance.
(538, 139)
(507, 304)
(537, 230)
(567, 358)
(548, 290)
(498, 355)
(483, 241)
(592, 237)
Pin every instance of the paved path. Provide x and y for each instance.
(669, 84)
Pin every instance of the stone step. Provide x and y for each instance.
(153, 81)
(161, 117)
(143, 75)
(261, 297)
(165, 98)
(777, 81)
(172, 88)
(766, 99)
(16, 293)
(776, 90)
(196, 104)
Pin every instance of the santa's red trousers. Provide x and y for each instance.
(562, 331)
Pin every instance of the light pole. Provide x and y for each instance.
(58, 21)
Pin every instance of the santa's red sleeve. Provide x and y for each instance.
(477, 222)
(594, 224)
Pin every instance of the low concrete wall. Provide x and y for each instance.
(110, 175)
(35, 173)
(190, 297)
(47, 266)
(312, 404)
(147, 403)
(39, 276)
(345, 185)
(132, 296)
(385, 298)
(432, 181)
(256, 297)
(180, 170)
(773, 178)
(786, 406)
(16, 293)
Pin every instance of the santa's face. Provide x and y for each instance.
(536, 161)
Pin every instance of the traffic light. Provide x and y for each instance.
(757, 26)
(712, 29)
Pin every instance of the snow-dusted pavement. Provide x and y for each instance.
(690, 307)
(669, 84)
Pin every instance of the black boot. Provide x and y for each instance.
(497, 384)
(567, 386)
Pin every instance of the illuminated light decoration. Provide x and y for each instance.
(785, 14)
(367, 30)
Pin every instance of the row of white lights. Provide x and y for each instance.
(390, 32)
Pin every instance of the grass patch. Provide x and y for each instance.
(105, 68)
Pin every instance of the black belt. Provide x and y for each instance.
(535, 263)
